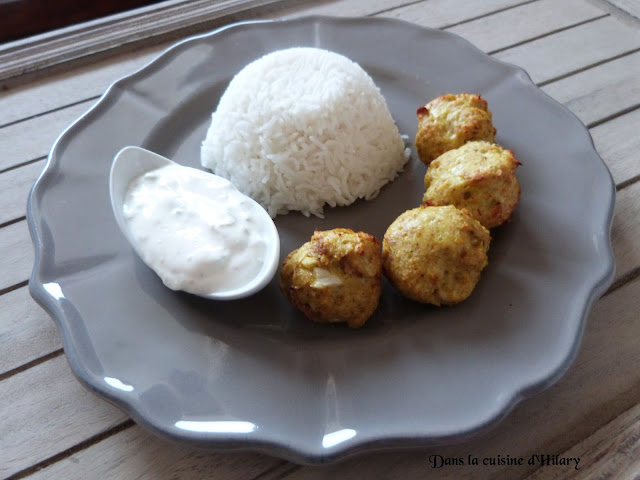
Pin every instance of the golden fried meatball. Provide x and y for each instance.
(478, 176)
(335, 277)
(450, 121)
(435, 254)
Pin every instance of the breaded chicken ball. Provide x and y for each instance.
(335, 277)
(450, 121)
(435, 254)
(478, 176)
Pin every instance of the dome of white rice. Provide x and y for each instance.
(304, 127)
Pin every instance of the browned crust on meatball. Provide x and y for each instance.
(435, 255)
(449, 121)
(478, 176)
(335, 277)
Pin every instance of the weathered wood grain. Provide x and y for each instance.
(338, 8)
(32, 139)
(601, 91)
(613, 452)
(14, 189)
(524, 23)
(571, 50)
(57, 91)
(443, 13)
(45, 411)
(618, 142)
(26, 331)
(16, 259)
(134, 453)
(629, 6)
(113, 34)
(625, 230)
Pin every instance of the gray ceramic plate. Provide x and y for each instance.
(254, 373)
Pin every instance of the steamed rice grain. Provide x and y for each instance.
(302, 128)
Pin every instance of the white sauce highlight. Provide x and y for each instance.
(195, 229)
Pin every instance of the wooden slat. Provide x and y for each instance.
(26, 331)
(571, 50)
(134, 453)
(63, 89)
(33, 139)
(632, 7)
(525, 23)
(14, 189)
(618, 143)
(339, 8)
(45, 411)
(112, 34)
(625, 231)
(443, 13)
(600, 91)
(614, 451)
(16, 266)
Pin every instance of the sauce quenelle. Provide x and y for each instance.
(195, 230)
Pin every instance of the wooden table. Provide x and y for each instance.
(584, 53)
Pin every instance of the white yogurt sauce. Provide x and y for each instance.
(195, 230)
